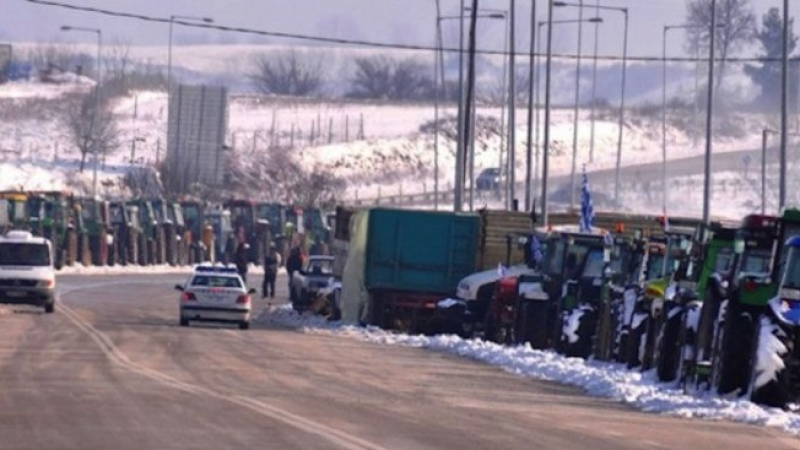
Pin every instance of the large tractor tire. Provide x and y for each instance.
(635, 341)
(578, 332)
(769, 380)
(733, 363)
(669, 348)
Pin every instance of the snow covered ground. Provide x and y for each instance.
(79, 269)
(609, 380)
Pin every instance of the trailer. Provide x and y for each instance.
(402, 263)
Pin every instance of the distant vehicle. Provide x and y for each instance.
(215, 293)
(316, 275)
(489, 179)
(27, 274)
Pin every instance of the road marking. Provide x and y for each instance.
(116, 356)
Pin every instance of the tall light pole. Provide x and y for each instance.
(546, 125)
(764, 135)
(624, 11)
(504, 15)
(593, 105)
(95, 122)
(546, 149)
(172, 20)
(784, 104)
(512, 103)
(437, 60)
(529, 137)
(709, 115)
(664, 199)
(489, 14)
(458, 201)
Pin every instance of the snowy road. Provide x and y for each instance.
(111, 369)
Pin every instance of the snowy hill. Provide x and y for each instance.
(379, 149)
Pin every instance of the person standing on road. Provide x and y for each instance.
(271, 262)
(293, 264)
(241, 258)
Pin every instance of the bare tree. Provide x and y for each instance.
(91, 131)
(736, 25)
(380, 77)
(288, 73)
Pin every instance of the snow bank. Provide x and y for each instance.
(79, 269)
(609, 380)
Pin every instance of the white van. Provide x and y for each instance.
(27, 275)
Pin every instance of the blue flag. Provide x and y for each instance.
(587, 207)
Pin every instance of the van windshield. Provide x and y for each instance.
(24, 254)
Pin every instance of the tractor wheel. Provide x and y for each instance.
(669, 349)
(733, 365)
(768, 379)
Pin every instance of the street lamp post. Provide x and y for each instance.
(624, 11)
(709, 115)
(784, 105)
(95, 122)
(529, 150)
(546, 125)
(764, 134)
(488, 14)
(172, 19)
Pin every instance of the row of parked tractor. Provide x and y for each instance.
(94, 232)
(707, 306)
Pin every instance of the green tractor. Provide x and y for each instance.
(13, 210)
(249, 228)
(171, 223)
(95, 230)
(623, 274)
(747, 317)
(52, 216)
(699, 271)
(125, 229)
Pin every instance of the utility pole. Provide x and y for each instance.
(512, 94)
(709, 115)
(575, 110)
(458, 202)
(784, 105)
(529, 150)
(470, 78)
(546, 147)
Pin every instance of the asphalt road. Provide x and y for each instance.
(113, 370)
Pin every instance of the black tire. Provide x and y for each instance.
(244, 325)
(633, 343)
(775, 391)
(733, 364)
(669, 349)
(50, 308)
(184, 322)
(582, 347)
(489, 328)
(536, 320)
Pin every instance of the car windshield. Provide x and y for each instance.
(216, 281)
(24, 254)
(320, 267)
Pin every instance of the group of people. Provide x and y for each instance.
(272, 261)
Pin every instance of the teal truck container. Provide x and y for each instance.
(401, 263)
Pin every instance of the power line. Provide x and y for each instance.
(375, 44)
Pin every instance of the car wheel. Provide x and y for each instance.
(50, 308)
(184, 322)
(244, 325)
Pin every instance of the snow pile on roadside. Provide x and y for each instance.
(614, 381)
(79, 269)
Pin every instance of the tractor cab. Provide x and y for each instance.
(219, 218)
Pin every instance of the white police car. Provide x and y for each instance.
(215, 293)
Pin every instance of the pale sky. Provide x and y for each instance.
(405, 21)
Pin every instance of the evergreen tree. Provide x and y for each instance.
(767, 75)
